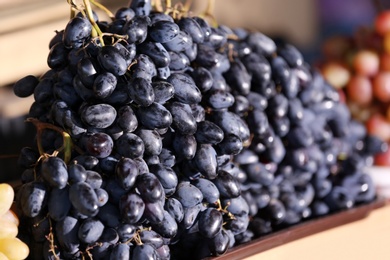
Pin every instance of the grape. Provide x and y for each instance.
(100, 115)
(132, 208)
(144, 251)
(188, 195)
(156, 52)
(209, 191)
(59, 203)
(154, 116)
(126, 171)
(141, 91)
(25, 86)
(90, 230)
(149, 187)
(33, 198)
(210, 222)
(13, 248)
(99, 145)
(112, 60)
(182, 119)
(120, 251)
(104, 84)
(186, 90)
(6, 198)
(130, 145)
(76, 32)
(84, 198)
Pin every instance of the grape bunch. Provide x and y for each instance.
(358, 66)
(11, 247)
(162, 137)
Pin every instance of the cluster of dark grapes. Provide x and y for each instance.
(169, 138)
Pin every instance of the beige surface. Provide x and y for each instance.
(367, 239)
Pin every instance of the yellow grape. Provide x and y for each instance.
(8, 229)
(11, 217)
(366, 63)
(6, 197)
(336, 74)
(14, 248)
(3, 256)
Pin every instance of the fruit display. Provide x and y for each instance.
(11, 247)
(162, 135)
(359, 67)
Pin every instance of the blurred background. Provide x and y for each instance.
(26, 27)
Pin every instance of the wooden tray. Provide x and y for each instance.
(301, 230)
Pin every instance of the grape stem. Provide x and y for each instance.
(105, 9)
(67, 145)
(209, 12)
(89, 14)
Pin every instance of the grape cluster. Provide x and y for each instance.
(11, 247)
(167, 138)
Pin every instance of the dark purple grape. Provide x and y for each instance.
(144, 252)
(291, 54)
(141, 92)
(156, 52)
(126, 172)
(209, 191)
(25, 86)
(206, 161)
(163, 31)
(231, 123)
(231, 144)
(99, 115)
(149, 187)
(219, 244)
(67, 234)
(210, 222)
(136, 29)
(99, 145)
(227, 185)
(59, 203)
(166, 176)
(238, 77)
(109, 215)
(77, 32)
(154, 212)
(131, 207)
(190, 26)
(261, 43)
(54, 172)
(90, 230)
(185, 89)
(130, 145)
(182, 119)
(174, 208)
(188, 195)
(185, 146)
(219, 99)
(84, 198)
(163, 91)
(104, 84)
(168, 227)
(179, 61)
(154, 116)
(120, 251)
(112, 60)
(141, 7)
(208, 133)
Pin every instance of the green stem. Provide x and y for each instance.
(89, 14)
(105, 9)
